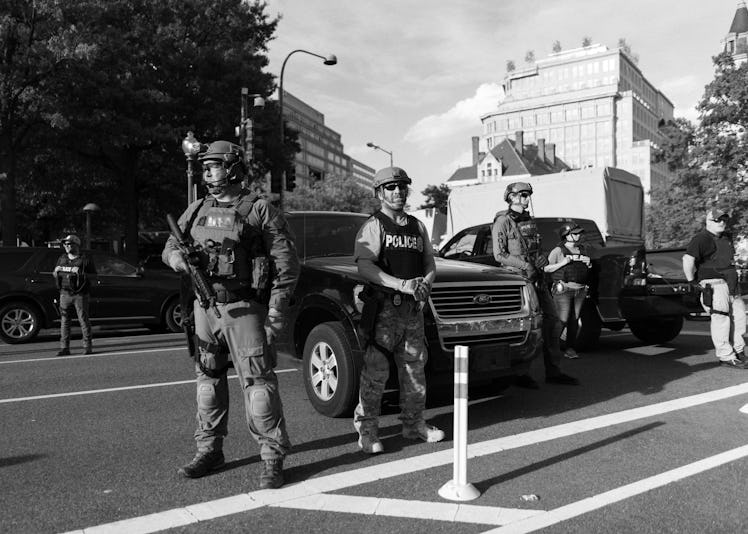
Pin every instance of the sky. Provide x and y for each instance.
(415, 76)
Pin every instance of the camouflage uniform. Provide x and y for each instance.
(516, 246)
(239, 334)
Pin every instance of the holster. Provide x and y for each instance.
(707, 295)
(372, 304)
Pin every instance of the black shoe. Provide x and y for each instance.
(89, 350)
(272, 474)
(202, 464)
(734, 364)
(563, 379)
(742, 356)
(64, 352)
(526, 381)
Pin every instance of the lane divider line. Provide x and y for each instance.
(243, 502)
(111, 390)
(95, 355)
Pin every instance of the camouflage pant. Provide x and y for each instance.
(398, 329)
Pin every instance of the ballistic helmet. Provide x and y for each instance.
(72, 238)
(516, 187)
(389, 175)
(230, 155)
(569, 228)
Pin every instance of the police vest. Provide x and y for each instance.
(401, 253)
(231, 250)
(71, 274)
(576, 271)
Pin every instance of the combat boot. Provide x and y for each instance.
(370, 444)
(422, 431)
(272, 474)
(202, 464)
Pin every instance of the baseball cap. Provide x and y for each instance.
(718, 212)
(72, 239)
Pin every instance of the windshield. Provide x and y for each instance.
(325, 234)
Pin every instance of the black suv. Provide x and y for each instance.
(492, 311)
(121, 293)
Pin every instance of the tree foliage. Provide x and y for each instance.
(557, 46)
(586, 41)
(510, 66)
(334, 193)
(530, 57)
(436, 197)
(626, 47)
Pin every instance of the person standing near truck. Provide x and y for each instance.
(569, 267)
(394, 254)
(516, 246)
(710, 261)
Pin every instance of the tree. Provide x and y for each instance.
(530, 57)
(333, 193)
(586, 41)
(38, 39)
(436, 197)
(556, 46)
(510, 66)
(622, 44)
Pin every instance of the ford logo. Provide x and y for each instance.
(482, 299)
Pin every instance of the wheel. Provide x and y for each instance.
(19, 322)
(657, 330)
(588, 334)
(331, 370)
(173, 316)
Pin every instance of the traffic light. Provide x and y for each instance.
(291, 177)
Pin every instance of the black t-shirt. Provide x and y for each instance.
(714, 257)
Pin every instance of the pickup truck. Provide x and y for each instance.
(624, 288)
(490, 310)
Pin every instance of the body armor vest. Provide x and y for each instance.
(401, 254)
(71, 276)
(576, 271)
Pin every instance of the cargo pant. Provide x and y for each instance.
(80, 303)
(239, 332)
(551, 329)
(398, 329)
(727, 328)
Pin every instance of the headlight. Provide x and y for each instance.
(532, 298)
(357, 302)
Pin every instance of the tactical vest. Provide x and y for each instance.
(523, 239)
(576, 271)
(71, 274)
(401, 253)
(231, 250)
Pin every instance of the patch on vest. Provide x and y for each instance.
(220, 220)
(407, 242)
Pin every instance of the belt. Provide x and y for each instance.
(713, 281)
(227, 296)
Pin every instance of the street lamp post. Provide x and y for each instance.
(191, 148)
(377, 147)
(329, 60)
(88, 209)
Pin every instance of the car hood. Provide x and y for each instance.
(446, 270)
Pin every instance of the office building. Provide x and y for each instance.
(593, 104)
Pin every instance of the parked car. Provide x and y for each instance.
(121, 293)
(624, 288)
(490, 310)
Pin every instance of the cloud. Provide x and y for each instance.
(464, 115)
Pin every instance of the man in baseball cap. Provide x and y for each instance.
(709, 260)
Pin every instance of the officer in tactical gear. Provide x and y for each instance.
(72, 277)
(569, 267)
(394, 254)
(248, 255)
(516, 246)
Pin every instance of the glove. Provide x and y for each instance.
(274, 323)
(531, 273)
(176, 261)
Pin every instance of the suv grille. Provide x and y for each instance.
(459, 301)
(487, 339)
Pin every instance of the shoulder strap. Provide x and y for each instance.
(193, 216)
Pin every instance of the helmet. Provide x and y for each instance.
(72, 238)
(569, 228)
(232, 157)
(516, 187)
(389, 175)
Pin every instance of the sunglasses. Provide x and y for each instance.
(524, 194)
(392, 187)
(720, 220)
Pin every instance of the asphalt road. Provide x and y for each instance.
(652, 441)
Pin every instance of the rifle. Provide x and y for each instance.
(204, 293)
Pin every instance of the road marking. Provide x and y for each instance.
(247, 501)
(95, 355)
(595, 502)
(439, 511)
(649, 350)
(111, 390)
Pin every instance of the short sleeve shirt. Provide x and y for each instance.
(714, 257)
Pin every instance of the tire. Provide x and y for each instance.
(590, 325)
(19, 322)
(173, 316)
(331, 370)
(657, 330)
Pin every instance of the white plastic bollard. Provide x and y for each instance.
(458, 488)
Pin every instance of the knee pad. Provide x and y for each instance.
(262, 408)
